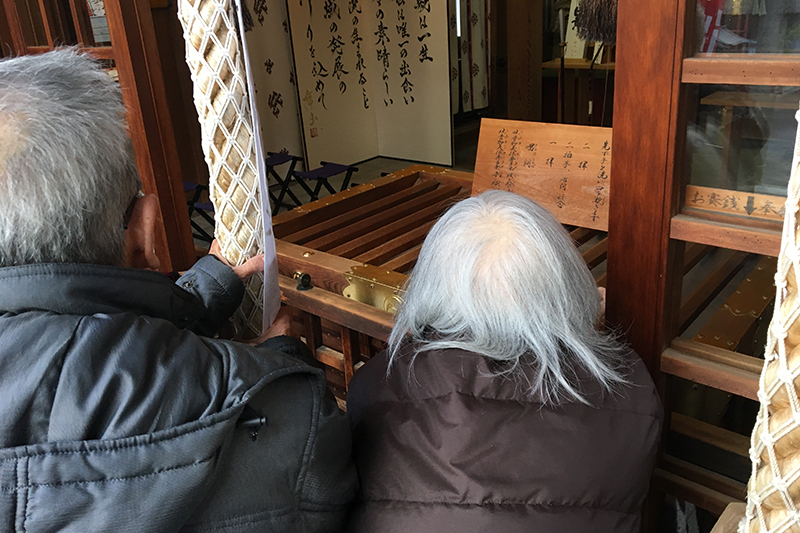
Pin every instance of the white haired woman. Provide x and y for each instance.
(500, 405)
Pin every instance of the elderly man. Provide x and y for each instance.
(499, 405)
(114, 414)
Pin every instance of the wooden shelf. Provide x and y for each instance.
(721, 369)
(725, 235)
(742, 70)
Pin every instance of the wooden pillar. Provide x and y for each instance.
(641, 258)
(16, 29)
(6, 40)
(516, 48)
(141, 78)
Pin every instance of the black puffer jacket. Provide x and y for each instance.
(114, 417)
(449, 448)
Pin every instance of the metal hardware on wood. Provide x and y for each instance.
(303, 281)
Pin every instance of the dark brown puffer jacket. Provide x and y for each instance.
(449, 448)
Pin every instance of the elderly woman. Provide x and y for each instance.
(499, 405)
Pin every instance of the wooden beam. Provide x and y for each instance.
(48, 19)
(394, 247)
(705, 477)
(711, 500)
(596, 254)
(728, 371)
(742, 69)
(731, 516)
(365, 242)
(351, 351)
(726, 263)
(17, 32)
(403, 262)
(82, 23)
(744, 362)
(360, 317)
(361, 212)
(6, 38)
(755, 240)
(327, 271)
(582, 235)
(710, 434)
(334, 240)
(331, 206)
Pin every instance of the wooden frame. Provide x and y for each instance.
(649, 227)
(135, 53)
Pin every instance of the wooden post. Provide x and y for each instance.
(16, 31)
(133, 38)
(516, 71)
(644, 266)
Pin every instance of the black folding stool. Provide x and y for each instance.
(201, 208)
(321, 175)
(276, 159)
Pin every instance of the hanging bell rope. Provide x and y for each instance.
(773, 493)
(215, 58)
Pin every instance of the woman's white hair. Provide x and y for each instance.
(67, 168)
(499, 276)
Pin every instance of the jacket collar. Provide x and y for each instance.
(79, 289)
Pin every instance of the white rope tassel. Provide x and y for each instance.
(216, 62)
(773, 493)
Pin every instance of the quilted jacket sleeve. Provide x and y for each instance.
(218, 288)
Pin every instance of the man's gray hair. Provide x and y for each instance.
(499, 276)
(67, 168)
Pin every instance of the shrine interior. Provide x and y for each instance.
(375, 118)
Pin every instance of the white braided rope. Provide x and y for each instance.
(773, 493)
(219, 75)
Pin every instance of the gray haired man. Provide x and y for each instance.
(115, 415)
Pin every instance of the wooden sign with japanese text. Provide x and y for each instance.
(746, 204)
(565, 168)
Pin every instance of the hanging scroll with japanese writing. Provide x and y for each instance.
(564, 168)
(270, 53)
(373, 79)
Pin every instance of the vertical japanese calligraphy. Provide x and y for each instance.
(564, 168)
(499, 158)
(354, 9)
(351, 54)
(513, 155)
(602, 176)
(276, 95)
(403, 37)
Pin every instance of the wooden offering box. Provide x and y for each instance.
(358, 246)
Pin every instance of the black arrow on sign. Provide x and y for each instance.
(751, 205)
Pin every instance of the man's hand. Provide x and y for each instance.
(281, 326)
(244, 271)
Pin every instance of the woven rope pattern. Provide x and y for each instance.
(214, 56)
(773, 493)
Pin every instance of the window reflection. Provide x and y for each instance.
(741, 137)
(748, 26)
